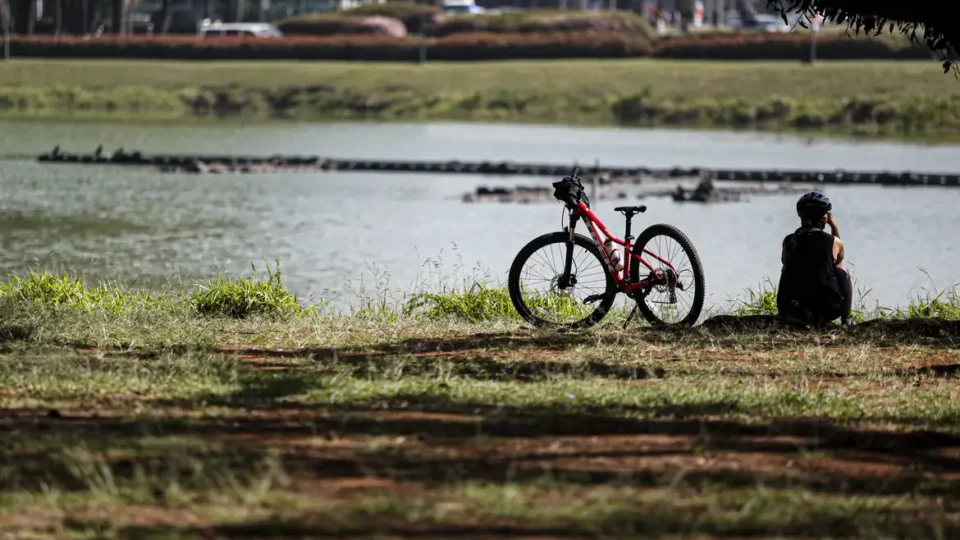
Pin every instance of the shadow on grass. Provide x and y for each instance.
(484, 356)
(309, 526)
(256, 389)
(945, 332)
(638, 466)
(452, 445)
(14, 332)
(728, 329)
(533, 356)
(485, 368)
(478, 357)
(634, 523)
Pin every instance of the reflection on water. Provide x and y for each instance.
(331, 230)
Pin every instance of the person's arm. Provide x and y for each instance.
(783, 251)
(833, 225)
(838, 248)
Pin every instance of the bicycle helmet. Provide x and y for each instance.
(813, 206)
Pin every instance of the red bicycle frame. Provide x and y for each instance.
(583, 211)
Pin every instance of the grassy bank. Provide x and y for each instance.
(888, 98)
(128, 415)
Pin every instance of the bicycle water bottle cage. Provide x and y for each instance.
(568, 191)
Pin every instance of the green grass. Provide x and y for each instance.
(879, 98)
(136, 415)
(242, 297)
(235, 297)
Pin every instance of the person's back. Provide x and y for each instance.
(809, 276)
(814, 285)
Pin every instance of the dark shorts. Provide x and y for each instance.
(821, 313)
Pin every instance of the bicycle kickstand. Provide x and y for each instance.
(633, 313)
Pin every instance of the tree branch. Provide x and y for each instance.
(923, 21)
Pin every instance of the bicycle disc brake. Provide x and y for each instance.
(567, 291)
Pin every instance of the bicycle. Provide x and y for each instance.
(662, 279)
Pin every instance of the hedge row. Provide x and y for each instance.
(456, 47)
(473, 46)
(620, 22)
(787, 47)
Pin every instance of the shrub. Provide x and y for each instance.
(238, 297)
(333, 24)
(66, 291)
(546, 21)
(560, 45)
(242, 297)
(477, 303)
(730, 46)
(481, 302)
(943, 304)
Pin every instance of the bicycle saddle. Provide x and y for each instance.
(631, 209)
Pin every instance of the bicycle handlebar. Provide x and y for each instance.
(574, 200)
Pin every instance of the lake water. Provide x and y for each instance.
(338, 235)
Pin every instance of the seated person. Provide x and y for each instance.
(815, 287)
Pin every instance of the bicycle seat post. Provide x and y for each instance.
(629, 212)
(626, 233)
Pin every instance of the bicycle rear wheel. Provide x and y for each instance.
(538, 294)
(678, 298)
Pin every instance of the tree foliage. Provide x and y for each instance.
(923, 21)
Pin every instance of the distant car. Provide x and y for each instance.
(258, 30)
(759, 22)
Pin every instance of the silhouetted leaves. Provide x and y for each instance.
(923, 22)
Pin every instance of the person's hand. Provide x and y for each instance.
(830, 220)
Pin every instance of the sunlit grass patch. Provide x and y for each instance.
(241, 297)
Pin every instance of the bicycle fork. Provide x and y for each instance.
(567, 280)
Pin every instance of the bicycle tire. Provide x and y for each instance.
(699, 281)
(513, 281)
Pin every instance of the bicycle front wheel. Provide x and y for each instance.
(538, 291)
